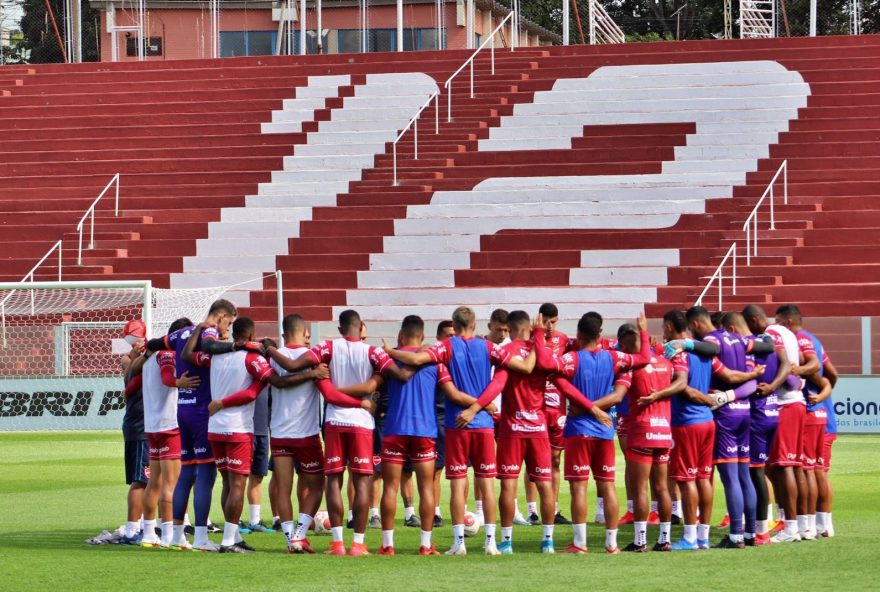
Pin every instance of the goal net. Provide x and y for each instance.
(62, 351)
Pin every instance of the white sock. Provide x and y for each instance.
(374, 512)
(388, 538)
(703, 532)
(690, 533)
(409, 512)
(829, 525)
(506, 533)
(811, 523)
(178, 536)
(186, 521)
(229, 530)
(762, 526)
(141, 523)
(515, 507)
(532, 507)
(820, 522)
(350, 515)
(791, 527)
(780, 513)
(654, 507)
(737, 538)
(548, 532)
(665, 527)
(769, 512)
(238, 538)
(801, 524)
(425, 538)
(490, 534)
(358, 538)
(437, 511)
(600, 505)
(287, 529)
(629, 506)
(301, 531)
(336, 533)
(641, 533)
(201, 536)
(611, 538)
(254, 513)
(457, 536)
(132, 528)
(167, 531)
(580, 535)
(479, 505)
(676, 508)
(556, 511)
(149, 529)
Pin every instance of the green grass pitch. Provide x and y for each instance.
(57, 489)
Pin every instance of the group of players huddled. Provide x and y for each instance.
(727, 392)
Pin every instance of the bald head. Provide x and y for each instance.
(755, 318)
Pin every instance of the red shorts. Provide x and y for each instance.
(647, 456)
(825, 460)
(534, 451)
(476, 447)
(812, 445)
(418, 449)
(164, 445)
(307, 452)
(583, 453)
(348, 446)
(786, 449)
(555, 427)
(233, 452)
(691, 454)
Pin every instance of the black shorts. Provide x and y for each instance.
(260, 461)
(137, 461)
(440, 444)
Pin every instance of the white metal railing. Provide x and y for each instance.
(751, 224)
(91, 211)
(414, 123)
(719, 275)
(603, 29)
(511, 16)
(757, 19)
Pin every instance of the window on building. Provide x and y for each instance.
(348, 41)
(246, 43)
(153, 47)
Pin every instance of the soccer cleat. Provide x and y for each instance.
(243, 528)
(749, 541)
(703, 544)
(762, 539)
(612, 550)
(150, 542)
(520, 520)
(506, 547)
(244, 546)
(349, 523)
(808, 535)
(183, 545)
(683, 545)
(727, 543)
(276, 525)
(336, 548)
(725, 522)
(573, 549)
(492, 550)
(300, 547)
(777, 527)
(358, 550)
(413, 521)
(560, 519)
(232, 549)
(260, 527)
(634, 548)
(662, 547)
(206, 547)
(626, 519)
(653, 519)
(548, 547)
(375, 522)
(828, 533)
(428, 551)
(459, 551)
(189, 530)
(676, 520)
(212, 528)
(534, 520)
(131, 540)
(438, 521)
(387, 551)
(784, 537)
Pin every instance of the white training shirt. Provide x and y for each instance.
(786, 396)
(349, 365)
(295, 410)
(231, 373)
(160, 401)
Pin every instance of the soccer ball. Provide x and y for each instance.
(471, 524)
(322, 523)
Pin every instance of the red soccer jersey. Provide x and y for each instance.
(558, 343)
(522, 402)
(649, 425)
(323, 353)
(441, 353)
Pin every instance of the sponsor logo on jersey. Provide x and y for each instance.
(487, 467)
(187, 401)
(457, 468)
(542, 470)
(655, 436)
(201, 450)
(661, 422)
(310, 465)
(333, 459)
(510, 468)
(581, 468)
(527, 415)
(608, 469)
(528, 428)
(359, 460)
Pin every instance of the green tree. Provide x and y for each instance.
(40, 39)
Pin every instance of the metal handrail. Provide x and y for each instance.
(435, 96)
(719, 275)
(91, 210)
(29, 277)
(511, 16)
(752, 236)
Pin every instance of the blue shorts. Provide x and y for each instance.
(260, 462)
(440, 445)
(761, 437)
(137, 461)
(194, 445)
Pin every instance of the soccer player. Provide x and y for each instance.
(137, 459)
(817, 390)
(445, 330)
(348, 432)
(197, 460)
(602, 376)
(470, 360)
(732, 413)
(160, 424)
(259, 466)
